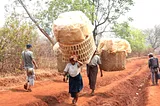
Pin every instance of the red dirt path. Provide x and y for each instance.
(118, 88)
(153, 95)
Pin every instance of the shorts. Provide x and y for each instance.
(30, 78)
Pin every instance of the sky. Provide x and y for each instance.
(2, 18)
(145, 13)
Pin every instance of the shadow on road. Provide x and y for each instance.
(103, 95)
(50, 101)
(18, 90)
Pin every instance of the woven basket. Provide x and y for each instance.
(83, 50)
(113, 61)
(60, 64)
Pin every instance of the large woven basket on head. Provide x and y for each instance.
(83, 50)
(113, 61)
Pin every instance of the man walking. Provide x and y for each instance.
(92, 70)
(153, 65)
(29, 63)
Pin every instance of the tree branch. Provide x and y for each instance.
(104, 29)
(109, 10)
(98, 5)
(42, 30)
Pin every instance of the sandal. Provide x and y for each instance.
(29, 90)
(25, 86)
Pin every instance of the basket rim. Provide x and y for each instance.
(89, 36)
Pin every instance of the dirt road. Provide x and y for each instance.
(153, 95)
(118, 88)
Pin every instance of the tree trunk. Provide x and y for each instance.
(94, 35)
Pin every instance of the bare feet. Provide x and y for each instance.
(74, 102)
(92, 93)
(29, 90)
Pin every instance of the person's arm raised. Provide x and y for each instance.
(80, 63)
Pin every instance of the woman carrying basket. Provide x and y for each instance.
(75, 79)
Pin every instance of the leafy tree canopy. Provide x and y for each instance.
(153, 36)
(102, 13)
(135, 37)
(14, 35)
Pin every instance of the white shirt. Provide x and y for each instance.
(73, 70)
(95, 60)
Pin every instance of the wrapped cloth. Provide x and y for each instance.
(57, 52)
(114, 45)
(56, 49)
(72, 27)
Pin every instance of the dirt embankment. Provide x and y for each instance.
(119, 88)
(9, 82)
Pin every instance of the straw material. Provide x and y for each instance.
(58, 54)
(83, 50)
(73, 32)
(72, 27)
(56, 49)
(113, 61)
(60, 64)
(113, 45)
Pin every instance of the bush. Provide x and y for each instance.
(43, 51)
(14, 35)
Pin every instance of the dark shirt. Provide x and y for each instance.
(153, 63)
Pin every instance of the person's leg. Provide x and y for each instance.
(29, 88)
(72, 88)
(93, 79)
(152, 77)
(89, 75)
(76, 97)
(89, 79)
(31, 83)
(73, 95)
(92, 92)
(26, 85)
(156, 77)
(87, 70)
